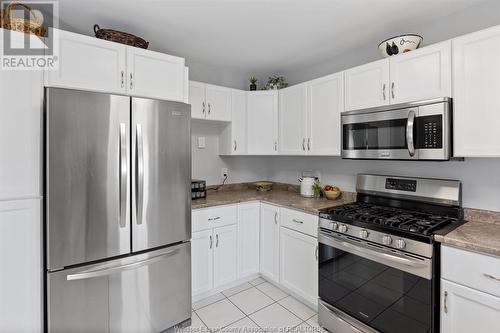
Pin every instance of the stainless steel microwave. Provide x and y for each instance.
(410, 131)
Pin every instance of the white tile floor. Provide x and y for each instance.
(255, 306)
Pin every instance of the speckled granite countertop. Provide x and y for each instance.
(480, 233)
(283, 195)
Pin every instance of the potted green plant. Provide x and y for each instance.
(253, 83)
(276, 82)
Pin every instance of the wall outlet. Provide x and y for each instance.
(224, 172)
(201, 142)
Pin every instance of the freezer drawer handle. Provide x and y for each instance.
(140, 174)
(123, 176)
(119, 269)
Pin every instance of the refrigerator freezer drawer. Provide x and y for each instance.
(149, 292)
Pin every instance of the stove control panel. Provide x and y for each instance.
(368, 235)
(408, 185)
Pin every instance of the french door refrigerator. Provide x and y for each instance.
(118, 213)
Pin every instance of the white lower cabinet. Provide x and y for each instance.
(225, 255)
(299, 263)
(21, 259)
(269, 241)
(202, 278)
(248, 239)
(466, 310)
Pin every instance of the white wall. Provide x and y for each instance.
(480, 177)
(207, 164)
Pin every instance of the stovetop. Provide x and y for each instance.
(388, 218)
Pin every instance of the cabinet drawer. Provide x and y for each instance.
(302, 222)
(207, 218)
(478, 271)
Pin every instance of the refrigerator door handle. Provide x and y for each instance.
(123, 176)
(140, 174)
(119, 269)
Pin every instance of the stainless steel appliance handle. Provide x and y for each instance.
(119, 269)
(339, 316)
(409, 133)
(414, 265)
(139, 174)
(123, 175)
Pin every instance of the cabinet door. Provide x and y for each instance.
(21, 258)
(155, 75)
(20, 132)
(367, 85)
(325, 104)
(292, 120)
(89, 63)
(262, 122)
(218, 101)
(248, 238)
(197, 99)
(225, 255)
(299, 263)
(239, 121)
(476, 83)
(269, 241)
(202, 261)
(465, 310)
(421, 74)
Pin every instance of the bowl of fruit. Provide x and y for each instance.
(331, 192)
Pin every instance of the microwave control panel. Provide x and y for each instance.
(429, 132)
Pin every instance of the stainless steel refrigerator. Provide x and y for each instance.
(117, 213)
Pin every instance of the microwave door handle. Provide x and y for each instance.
(410, 124)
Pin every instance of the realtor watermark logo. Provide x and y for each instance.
(27, 51)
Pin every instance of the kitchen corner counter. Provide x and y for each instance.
(480, 233)
(280, 196)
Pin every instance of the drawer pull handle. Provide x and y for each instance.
(491, 277)
(214, 218)
(298, 221)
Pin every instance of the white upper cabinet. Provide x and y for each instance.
(89, 63)
(209, 101)
(248, 239)
(292, 120)
(421, 74)
(233, 138)
(367, 85)
(20, 132)
(197, 99)
(92, 64)
(155, 75)
(476, 87)
(262, 122)
(325, 102)
(218, 101)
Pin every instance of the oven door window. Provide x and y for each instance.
(376, 135)
(389, 300)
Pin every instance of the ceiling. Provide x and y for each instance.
(245, 35)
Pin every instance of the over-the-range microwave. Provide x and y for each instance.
(409, 131)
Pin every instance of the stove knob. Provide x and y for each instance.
(363, 234)
(387, 240)
(343, 228)
(334, 225)
(400, 244)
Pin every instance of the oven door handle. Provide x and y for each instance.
(415, 266)
(410, 124)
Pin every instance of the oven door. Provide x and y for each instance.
(380, 135)
(365, 287)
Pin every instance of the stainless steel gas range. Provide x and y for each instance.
(378, 262)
